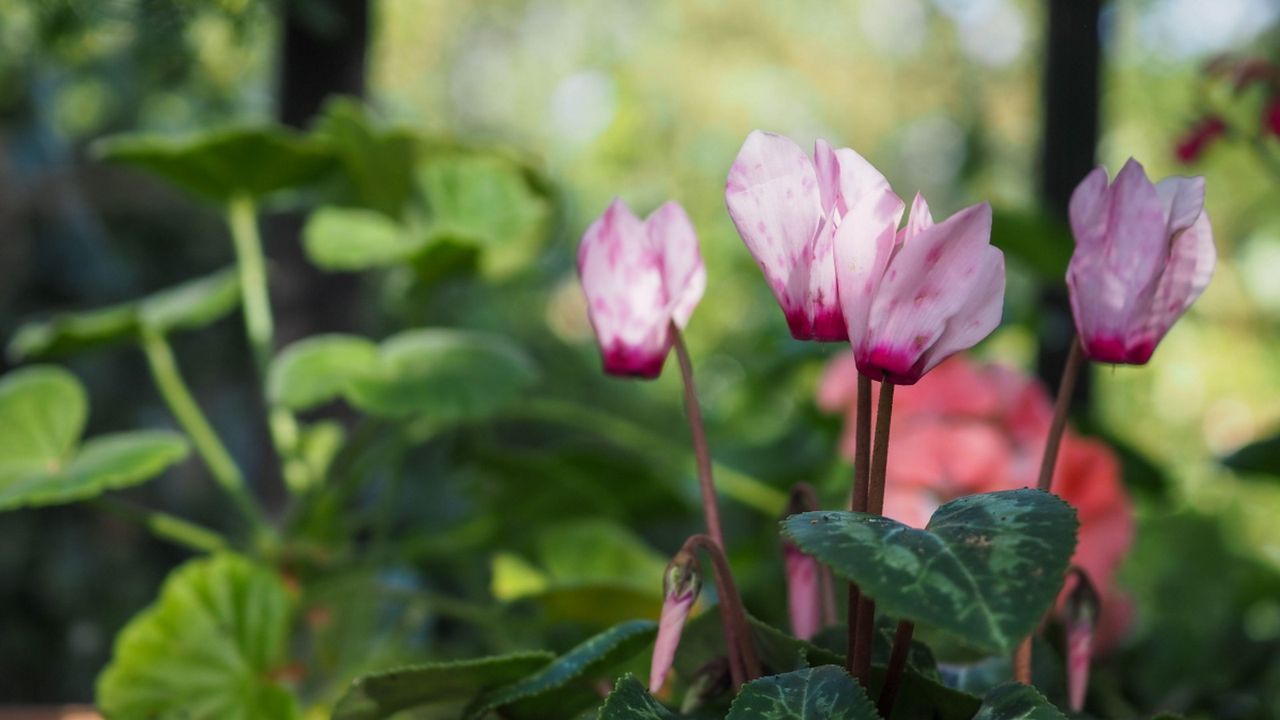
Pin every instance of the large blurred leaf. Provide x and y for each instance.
(42, 413)
(631, 701)
(821, 693)
(490, 200)
(569, 685)
(1261, 457)
(1036, 239)
(356, 239)
(377, 163)
(316, 370)
(187, 306)
(984, 570)
(209, 648)
(1014, 701)
(378, 695)
(219, 165)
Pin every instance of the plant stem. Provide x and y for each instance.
(744, 664)
(168, 378)
(858, 503)
(1061, 408)
(705, 481)
(875, 505)
(1022, 661)
(897, 664)
(243, 222)
(165, 526)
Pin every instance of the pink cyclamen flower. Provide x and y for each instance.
(639, 279)
(914, 297)
(1079, 618)
(680, 588)
(787, 207)
(1144, 253)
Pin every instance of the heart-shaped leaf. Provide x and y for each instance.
(190, 305)
(221, 164)
(826, 692)
(209, 648)
(350, 239)
(316, 370)
(985, 569)
(631, 701)
(1015, 701)
(381, 694)
(567, 686)
(42, 412)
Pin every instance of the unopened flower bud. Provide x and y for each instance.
(680, 587)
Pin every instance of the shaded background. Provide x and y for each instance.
(990, 99)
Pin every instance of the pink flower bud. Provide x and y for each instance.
(804, 592)
(639, 278)
(680, 588)
(1080, 618)
(1144, 253)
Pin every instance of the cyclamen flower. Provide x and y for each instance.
(914, 297)
(1144, 253)
(680, 588)
(640, 278)
(787, 208)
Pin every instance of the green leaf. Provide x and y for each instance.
(985, 569)
(222, 164)
(1261, 457)
(568, 685)
(42, 413)
(208, 648)
(820, 693)
(377, 163)
(440, 377)
(381, 694)
(351, 239)
(190, 305)
(1036, 239)
(316, 370)
(631, 701)
(1015, 701)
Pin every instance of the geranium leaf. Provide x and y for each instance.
(316, 370)
(350, 239)
(826, 692)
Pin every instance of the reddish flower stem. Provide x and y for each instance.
(710, 509)
(858, 502)
(866, 620)
(897, 665)
(744, 664)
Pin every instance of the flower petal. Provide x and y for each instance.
(844, 178)
(978, 316)
(683, 274)
(1191, 261)
(1183, 201)
(804, 596)
(675, 610)
(864, 243)
(919, 220)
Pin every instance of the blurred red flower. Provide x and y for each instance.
(969, 428)
(1271, 117)
(1196, 140)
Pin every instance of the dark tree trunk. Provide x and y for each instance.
(1070, 136)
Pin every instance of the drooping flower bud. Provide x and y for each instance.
(680, 587)
(810, 603)
(1080, 619)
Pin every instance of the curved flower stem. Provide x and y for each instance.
(875, 505)
(705, 481)
(165, 526)
(1061, 408)
(858, 503)
(168, 378)
(897, 665)
(744, 664)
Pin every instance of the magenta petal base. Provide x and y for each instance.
(1114, 350)
(890, 365)
(628, 363)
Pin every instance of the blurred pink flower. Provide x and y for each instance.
(639, 278)
(1144, 253)
(1192, 144)
(968, 428)
(1271, 117)
(787, 207)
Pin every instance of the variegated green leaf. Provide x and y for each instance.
(826, 692)
(1015, 701)
(985, 569)
(631, 701)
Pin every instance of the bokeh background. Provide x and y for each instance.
(650, 100)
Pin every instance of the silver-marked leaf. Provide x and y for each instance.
(1015, 701)
(350, 239)
(985, 569)
(826, 692)
(567, 686)
(316, 370)
(631, 701)
(221, 164)
(209, 648)
(381, 694)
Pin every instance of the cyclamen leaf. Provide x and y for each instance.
(1015, 701)
(631, 701)
(985, 569)
(381, 694)
(821, 693)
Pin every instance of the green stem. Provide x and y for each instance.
(243, 222)
(168, 378)
(165, 526)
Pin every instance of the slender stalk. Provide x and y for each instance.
(1022, 662)
(744, 664)
(858, 503)
(705, 481)
(243, 222)
(168, 378)
(1061, 408)
(897, 664)
(165, 526)
(866, 619)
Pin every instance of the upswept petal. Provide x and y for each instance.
(928, 281)
(978, 316)
(864, 243)
(1183, 201)
(844, 177)
(1192, 257)
(918, 221)
(773, 199)
(684, 276)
